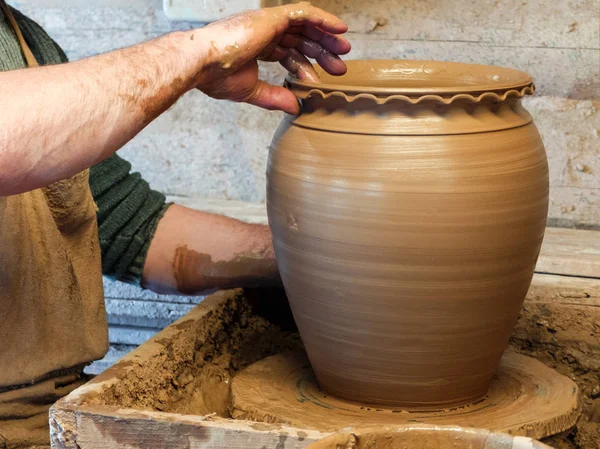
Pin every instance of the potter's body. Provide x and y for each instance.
(407, 222)
(60, 119)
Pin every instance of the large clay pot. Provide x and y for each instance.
(408, 203)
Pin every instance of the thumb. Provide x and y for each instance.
(271, 97)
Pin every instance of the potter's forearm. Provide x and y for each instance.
(194, 252)
(58, 120)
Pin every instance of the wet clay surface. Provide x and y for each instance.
(192, 375)
(416, 79)
(584, 369)
(424, 437)
(576, 357)
(408, 204)
(526, 398)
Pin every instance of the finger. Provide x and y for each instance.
(276, 54)
(335, 44)
(297, 64)
(269, 53)
(306, 14)
(332, 42)
(329, 61)
(273, 98)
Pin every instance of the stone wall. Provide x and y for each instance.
(202, 148)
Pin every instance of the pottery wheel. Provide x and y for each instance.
(525, 398)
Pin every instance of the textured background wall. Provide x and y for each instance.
(202, 148)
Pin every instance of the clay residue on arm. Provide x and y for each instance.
(196, 272)
(195, 252)
(153, 89)
(88, 109)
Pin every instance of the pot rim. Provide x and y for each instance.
(443, 81)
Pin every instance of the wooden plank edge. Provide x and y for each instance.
(107, 427)
(570, 252)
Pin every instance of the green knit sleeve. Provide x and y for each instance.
(128, 214)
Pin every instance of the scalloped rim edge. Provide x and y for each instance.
(529, 89)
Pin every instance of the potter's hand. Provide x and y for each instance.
(287, 34)
(117, 94)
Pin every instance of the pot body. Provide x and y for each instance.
(406, 237)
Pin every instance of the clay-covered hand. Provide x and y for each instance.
(288, 34)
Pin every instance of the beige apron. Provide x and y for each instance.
(52, 316)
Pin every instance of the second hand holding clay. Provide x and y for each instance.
(287, 34)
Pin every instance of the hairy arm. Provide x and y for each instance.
(194, 252)
(58, 120)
